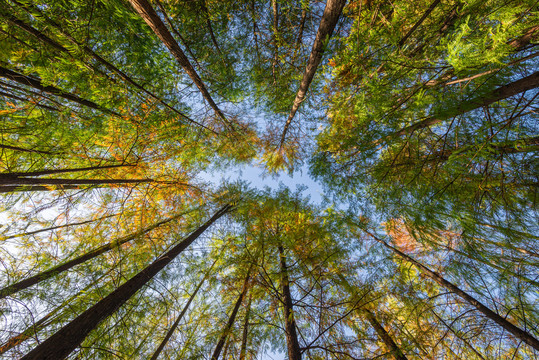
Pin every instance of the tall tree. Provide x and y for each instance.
(62, 343)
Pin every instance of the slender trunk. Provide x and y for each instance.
(292, 343)
(525, 39)
(45, 321)
(231, 318)
(148, 14)
(383, 334)
(177, 33)
(477, 257)
(299, 39)
(58, 269)
(418, 23)
(17, 148)
(182, 313)
(329, 20)
(55, 227)
(450, 328)
(245, 334)
(515, 330)
(99, 59)
(21, 181)
(506, 147)
(62, 343)
(503, 92)
(37, 84)
(275, 30)
(60, 171)
(19, 188)
(210, 29)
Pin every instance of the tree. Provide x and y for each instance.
(122, 124)
(64, 341)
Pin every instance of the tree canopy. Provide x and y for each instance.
(121, 237)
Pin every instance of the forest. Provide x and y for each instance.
(123, 235)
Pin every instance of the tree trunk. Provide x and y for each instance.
(515, 330)
(62, 343)
(18, 188)
(36, 84)
(383, 334)
(55, 227)
(95, 56)
(292, 343)
(245, 334)
(16, 148)
(418, 23)
(46, 320)
(503, 92)
(231, 318)
(331, 15)
(148, 14)
(182, 313)
(7, 180)
(58, 269)
(275, 31)
(60, 171)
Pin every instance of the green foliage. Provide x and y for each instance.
(417, 124)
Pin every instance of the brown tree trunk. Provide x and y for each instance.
(62, 343)
(61, 171)
(231, 318)
(46, 320)
(515, 330)
(418, 23)
(55, 227)
(22, 181)
(331, 15)
(383, 334)
(16, 148)
(148, 14)
(58, 269)
(245, 334)
(19, 188)
(503, 92)
(275, 31)
(94, 55)
(182, 313)
(292, 343)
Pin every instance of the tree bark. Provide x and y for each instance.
(515, 330)
(148, 14)
(292, 343)
(383, 334)
(58, 269)
(182, 313)
(331, 15)
(62, 343)
(231, 318)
